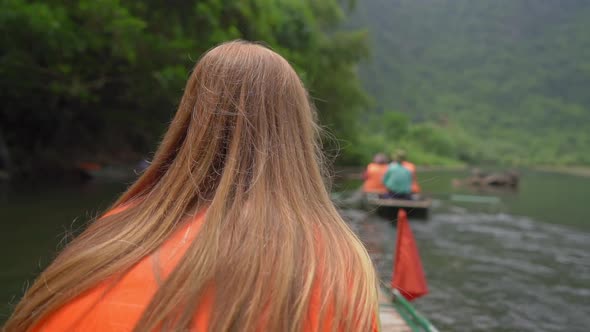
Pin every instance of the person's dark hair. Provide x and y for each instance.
(380, 158)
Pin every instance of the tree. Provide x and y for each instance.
(99, 79)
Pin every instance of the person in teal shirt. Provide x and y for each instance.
(398, 181)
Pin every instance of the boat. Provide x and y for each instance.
(497, 181)
(398, 315)
(388, 207)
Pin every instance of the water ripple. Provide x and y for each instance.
(493, 271)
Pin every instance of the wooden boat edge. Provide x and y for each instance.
(401, 203)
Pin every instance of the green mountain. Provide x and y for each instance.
(510, 78)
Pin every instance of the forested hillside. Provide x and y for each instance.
(503, 81)
(500, 81)
(98, 81)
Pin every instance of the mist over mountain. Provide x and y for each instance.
(511, 75)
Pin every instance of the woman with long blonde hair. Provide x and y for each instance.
(231, 228)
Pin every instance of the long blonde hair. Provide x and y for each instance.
(244, 146)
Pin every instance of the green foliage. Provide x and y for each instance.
(426, 143)
(100, 78)
(513, 74)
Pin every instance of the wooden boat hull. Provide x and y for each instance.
(398, 315)
(388, 208)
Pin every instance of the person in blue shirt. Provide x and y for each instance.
(398, 181)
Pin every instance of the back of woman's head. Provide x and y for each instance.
(244, 123)
(242, 145)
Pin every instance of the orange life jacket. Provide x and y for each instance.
(412, 168)
(117, 306)
(374, 178)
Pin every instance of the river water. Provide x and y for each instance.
(518, 262)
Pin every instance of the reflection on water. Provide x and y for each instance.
(522, 264)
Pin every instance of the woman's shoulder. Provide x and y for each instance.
(116, 304)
